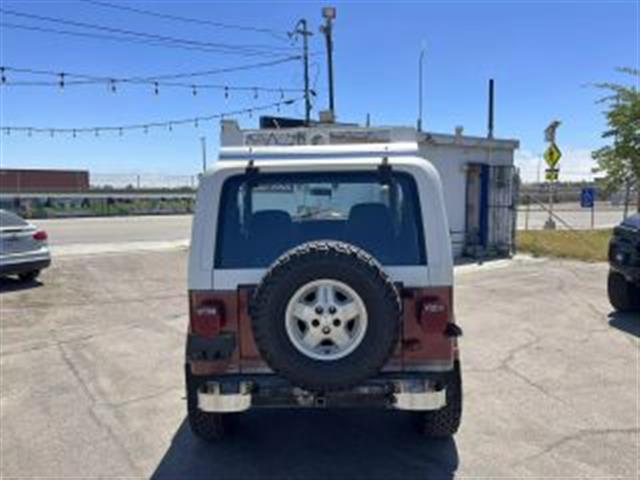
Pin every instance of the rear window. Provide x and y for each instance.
(10, 220)
(262, 218)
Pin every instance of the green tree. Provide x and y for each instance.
(620, 160)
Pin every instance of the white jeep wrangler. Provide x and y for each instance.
(321, 277)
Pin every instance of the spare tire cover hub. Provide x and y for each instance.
(326, 319)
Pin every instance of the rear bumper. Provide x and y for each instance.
(419, 391)
(8, 268)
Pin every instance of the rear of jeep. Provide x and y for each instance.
(321, 281)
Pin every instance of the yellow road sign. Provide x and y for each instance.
(552, 155)
(551, 174)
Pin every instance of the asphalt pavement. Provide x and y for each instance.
(91, 384)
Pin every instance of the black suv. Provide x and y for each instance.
(624, 259)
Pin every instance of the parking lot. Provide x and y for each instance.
(91, 383)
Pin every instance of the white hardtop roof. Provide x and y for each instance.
(320, 152)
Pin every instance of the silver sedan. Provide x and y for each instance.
(23, 247)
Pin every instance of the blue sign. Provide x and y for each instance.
(587, 197)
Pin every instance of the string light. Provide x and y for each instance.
(2, 74)
(169, 124)
(72, 79)
(226, 93)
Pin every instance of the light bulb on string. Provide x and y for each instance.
(61, 82)
(2, 74)
(112, 83)
(194, 90)
(226, 93)
(195, 123)
(255, 93)
(74, 133)
(156, 90)
(170, 127)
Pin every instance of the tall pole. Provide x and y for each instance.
(301, 29)
(420, 90)
(329, 14)
(203, 142)
(490, 120)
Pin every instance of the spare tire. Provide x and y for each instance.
(326, 316)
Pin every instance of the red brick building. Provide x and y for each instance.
(43, 181)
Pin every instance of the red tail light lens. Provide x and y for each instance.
(207, 316)
(40, 236)
(433, 314)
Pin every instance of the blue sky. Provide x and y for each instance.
(542, 55)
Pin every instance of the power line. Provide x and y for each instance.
(145, 127)
(276, 33)
(103, 37)
(170, 76)
(221, 47)
(63, 80)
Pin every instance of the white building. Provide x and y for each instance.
(478, 174)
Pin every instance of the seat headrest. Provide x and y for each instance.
(266, 220)
(369, 212)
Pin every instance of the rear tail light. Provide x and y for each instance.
(207, 316)
(433, 313)
(40, 236)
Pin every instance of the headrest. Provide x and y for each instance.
(369, 212)
(266, 220)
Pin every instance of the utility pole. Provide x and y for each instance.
(420, 61)
(203, 142)
(301, 29)
(329, 14)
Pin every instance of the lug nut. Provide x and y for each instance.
(319, 310)
(336, 322)
(332, 309)
(315, 323)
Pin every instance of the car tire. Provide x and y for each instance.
(29, 276)
(623, 295)
(446, 421)
(207, 426)
(343, 264)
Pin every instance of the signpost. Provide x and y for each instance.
(588, 200)
(551, 156)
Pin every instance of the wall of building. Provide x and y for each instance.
(43, 181)
(451, 160)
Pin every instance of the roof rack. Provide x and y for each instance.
(314, 152)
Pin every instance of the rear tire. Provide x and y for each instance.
(210, 427)
(446, 421)
(623, 295)
(29, 276)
